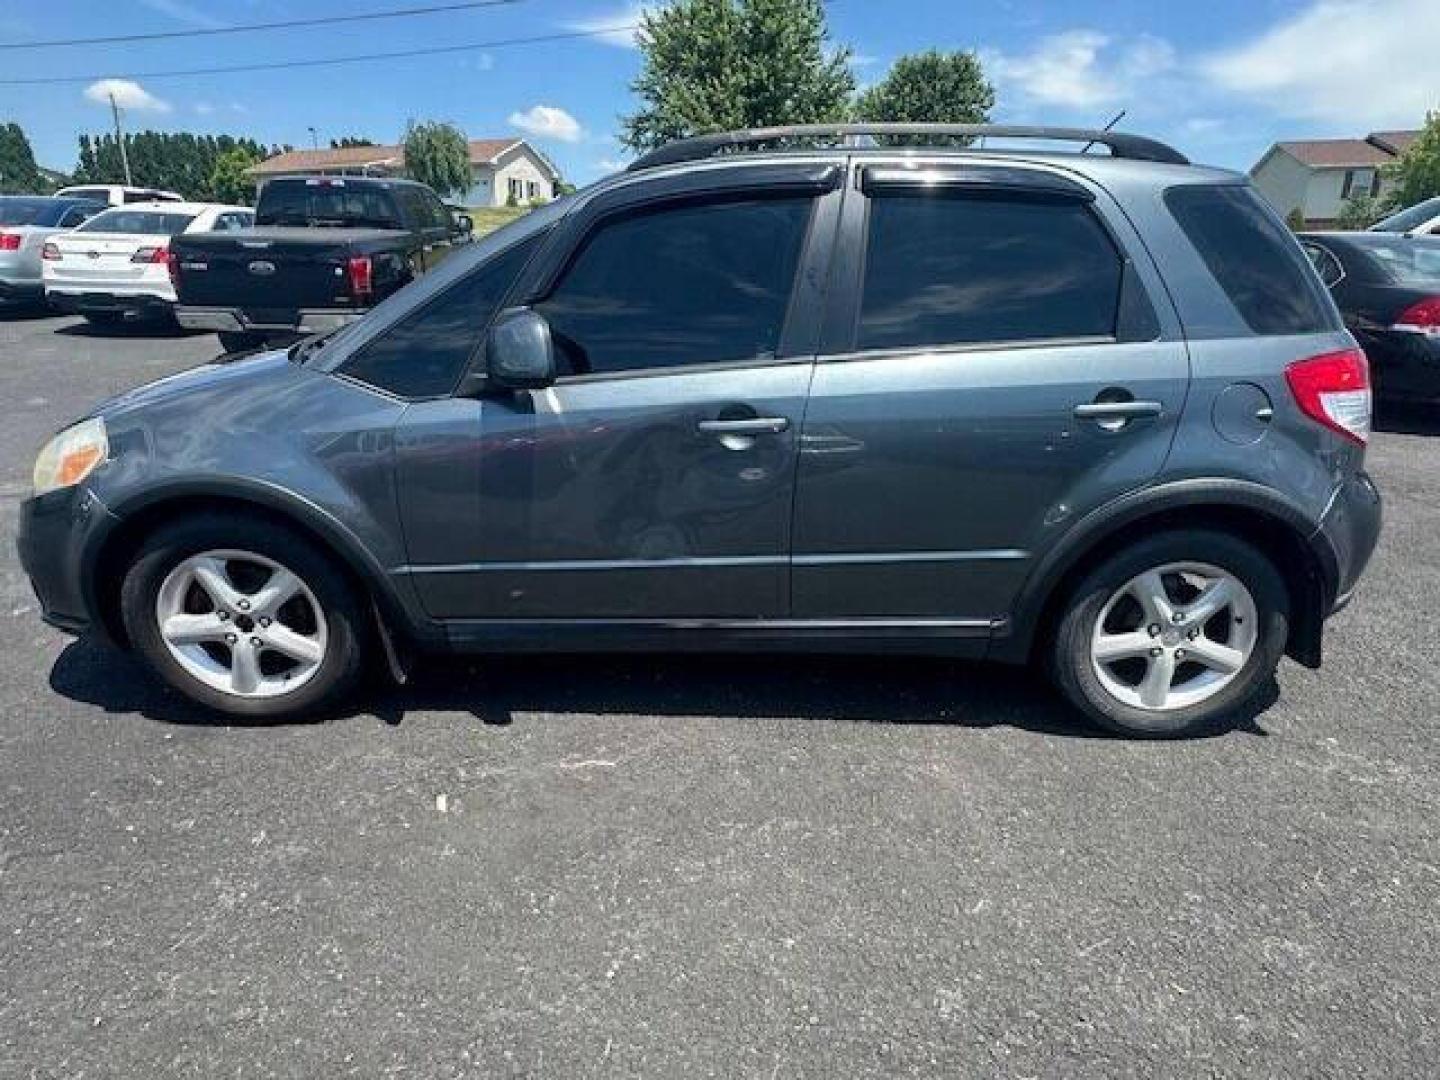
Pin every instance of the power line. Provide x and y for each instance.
(327, 61)
(289, 24)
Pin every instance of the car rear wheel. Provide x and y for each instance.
(245, 617)
(1174, 636)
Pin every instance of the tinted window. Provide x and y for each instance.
(694, 284)
(328, 202)
(143, 222)
(20, 211)
(1404, 260)
(950, 270)
(1253, 257)
(425, 353)
(99, 194)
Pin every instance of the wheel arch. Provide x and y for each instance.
(105, 565)
(1254, 513)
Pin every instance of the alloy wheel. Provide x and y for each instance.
(241, 623)
(1174, 636)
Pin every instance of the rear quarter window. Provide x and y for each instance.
(1252, 257)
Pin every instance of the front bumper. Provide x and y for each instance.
(1349, 531)
(233, 320)
(58, 530)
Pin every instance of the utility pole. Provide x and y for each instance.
(120, 140)
(314, 139)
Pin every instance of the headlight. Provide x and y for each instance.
(71, 456)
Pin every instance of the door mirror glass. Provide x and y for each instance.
(519, 353)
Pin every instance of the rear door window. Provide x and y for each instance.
(954, 269)
(1252, 257)
(141, 222)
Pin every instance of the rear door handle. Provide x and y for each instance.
(1118, 410)
(759, 425)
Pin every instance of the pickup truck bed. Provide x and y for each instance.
(274, 283)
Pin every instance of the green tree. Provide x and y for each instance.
(228, 180)
(19, 174)
(345, 142)
(716, 65)
(438, 155)
(1358, 212)
(1416, 176)
(930, 87)
(1296, 220)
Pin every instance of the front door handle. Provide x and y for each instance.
(1118, 410)
(757, 425)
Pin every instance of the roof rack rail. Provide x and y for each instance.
(1134, 147)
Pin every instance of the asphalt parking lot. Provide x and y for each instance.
(712, 867)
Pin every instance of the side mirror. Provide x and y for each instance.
(519, 354)
(464, 224)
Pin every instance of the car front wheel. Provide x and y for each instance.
(244, 617)
(1173, 637)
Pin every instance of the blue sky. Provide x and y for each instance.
(1221, 79)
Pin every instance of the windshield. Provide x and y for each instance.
(142, 222)
(1406, 260)
(1412, 218)
(29, 211)
(330, 203)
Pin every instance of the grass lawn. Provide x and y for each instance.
(489, 218)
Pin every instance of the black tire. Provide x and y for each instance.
(1070, 660)
(340, 601)
(234, 341)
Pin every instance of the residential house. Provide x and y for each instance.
(502, 171)
(1316, 176)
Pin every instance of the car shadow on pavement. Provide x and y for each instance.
(850, 689)
(129, 328)
(1407, 419)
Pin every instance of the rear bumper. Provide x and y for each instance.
(14, 287)
(81, 302)
(233, 320)
(1349, 531)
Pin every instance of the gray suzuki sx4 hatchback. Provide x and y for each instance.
(799, 388)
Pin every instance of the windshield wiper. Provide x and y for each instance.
(301, 350)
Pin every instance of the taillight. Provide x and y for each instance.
(50, 252)
(1334, 390)
(151, 255)
(362, 276)
(9, 241)
(1421, 318)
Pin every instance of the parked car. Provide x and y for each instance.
(1422, 219)
(324, 250)
(736, 398)
(117, 264)
(1388, 289)
(118, 194)
(26, 222)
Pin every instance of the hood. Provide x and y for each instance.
(239, 377)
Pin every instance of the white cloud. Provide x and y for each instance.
(548, 122)
(610, 165)
(616, 28)
(1078, 69)
(127, 94)
(1362, 63)
(204, 108)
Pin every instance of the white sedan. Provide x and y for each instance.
(117, 264)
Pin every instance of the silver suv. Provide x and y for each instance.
(888, 388)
